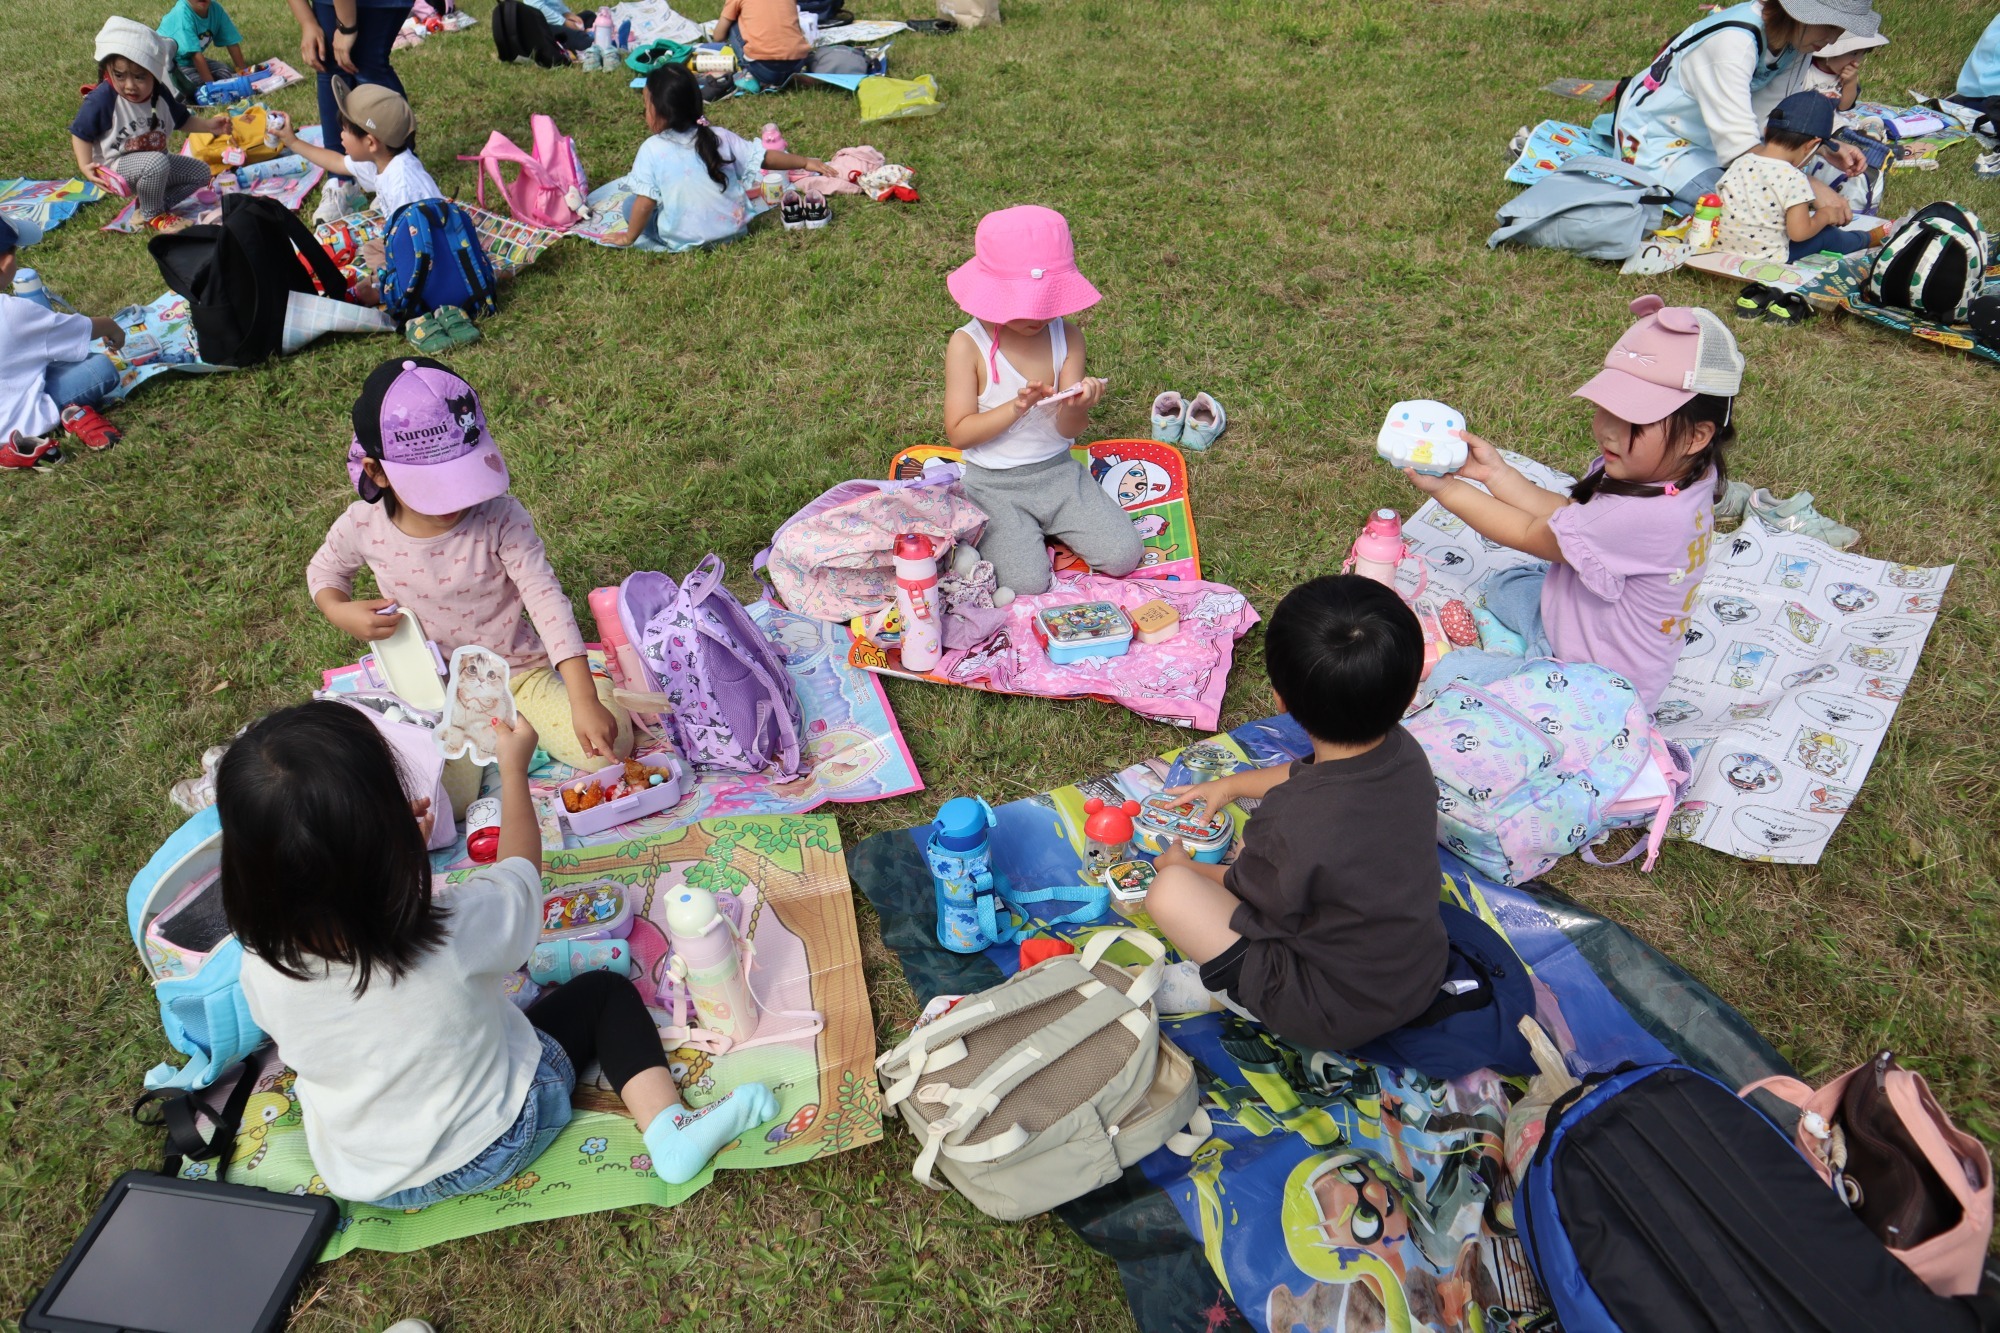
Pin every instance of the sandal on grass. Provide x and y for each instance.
(1754, 301)
(441, 330)
(1788, 308)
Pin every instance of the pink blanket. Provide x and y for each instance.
(1181, 680)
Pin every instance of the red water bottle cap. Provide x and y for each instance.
(914, 546)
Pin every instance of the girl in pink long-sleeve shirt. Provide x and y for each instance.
(444, 538)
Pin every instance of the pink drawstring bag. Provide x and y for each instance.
(832, 560)
(1921, 1184)
(549, 190)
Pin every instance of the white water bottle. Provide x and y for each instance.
(28, 286)
(604, 33)
(917, 599)
(706, 961)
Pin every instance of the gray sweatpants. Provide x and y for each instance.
(162, 180)
(1057, 498)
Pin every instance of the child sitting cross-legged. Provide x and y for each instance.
(1326, 928)
(691, 181)
(126, 123)
(1769, 207)
(418, 1079)
(193, 26)
(49, 376)
(444, 538)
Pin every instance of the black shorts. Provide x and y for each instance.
(1225, 971)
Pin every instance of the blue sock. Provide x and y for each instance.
(682, 1140)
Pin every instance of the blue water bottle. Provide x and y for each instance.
(961, 868)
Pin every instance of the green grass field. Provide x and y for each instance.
(1284, 203)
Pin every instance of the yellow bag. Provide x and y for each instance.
(246, 132)
(888, 99)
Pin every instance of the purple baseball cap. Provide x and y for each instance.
(425, 426)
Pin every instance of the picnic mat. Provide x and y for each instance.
(1181, 680)
(510, 246)
(1838, 286)
(158, 338)
(47, 203)
(611, 207)
(1796, 657)
(288, 179)
(1337, 1195)
(789, 885)
(855, 749)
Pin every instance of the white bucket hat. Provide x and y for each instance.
(140, 45)
(1849, 43)
(1858, 17)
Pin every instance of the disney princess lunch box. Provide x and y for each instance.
(1078, 630)
(1162, 819)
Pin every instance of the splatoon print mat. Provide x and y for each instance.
(783, 881)
(1795, 656)
(1341, 1196)
(1180, 680)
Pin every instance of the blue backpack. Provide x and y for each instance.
(432, 258)
(174, 910)
(1660, 1200)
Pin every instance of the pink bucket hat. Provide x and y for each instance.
(1023, 266)
(1663, 361)
(425, 426)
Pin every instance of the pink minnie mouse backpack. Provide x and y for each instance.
(549, 189)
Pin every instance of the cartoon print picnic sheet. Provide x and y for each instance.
(783, 879)
(159, 337)
(1796, 657)
(1838, 286)
(47, 203)
(1334, 1194)
(853, 747)
(1181, 680)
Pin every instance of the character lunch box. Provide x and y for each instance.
(1078, 630)
(1128, 882)
(1161, 820)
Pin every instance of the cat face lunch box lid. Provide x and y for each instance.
(1161, 820)
(1083, 629)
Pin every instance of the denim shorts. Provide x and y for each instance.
(542, 1117)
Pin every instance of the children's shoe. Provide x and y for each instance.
(338, 198)
(167, 223)
(1798, 515)
(1495, 637)
(1788, 308)
(1735, 501)
(746, 83)
(1205, 420)
(1169, 417)
(409, 1326)
(716, 87)
(1754, 300)
(591, 58)
(90, 427)
(792, 210)
(29, 453)
(818, 212)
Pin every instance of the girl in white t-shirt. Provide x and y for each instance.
(1002, 373)
(418, 1079)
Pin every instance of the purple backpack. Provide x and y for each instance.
(730, 702)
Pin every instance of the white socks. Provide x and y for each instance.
(1181, 992)
(682, 1140)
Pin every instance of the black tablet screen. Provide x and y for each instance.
(177, 1262)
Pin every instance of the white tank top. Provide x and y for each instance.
(1034, 437)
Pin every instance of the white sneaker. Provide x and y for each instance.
(337, 198)
(410, 1326)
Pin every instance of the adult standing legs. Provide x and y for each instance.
(363, 58)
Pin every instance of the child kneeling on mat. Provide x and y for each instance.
(444, 538)
(126, 123)
(1019, 350)
(1326, 927)
(419, 1080)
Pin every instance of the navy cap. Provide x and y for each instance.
(1803, 113)
(17, 232)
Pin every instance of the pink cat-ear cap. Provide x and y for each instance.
(1672, 354)
(426, 427)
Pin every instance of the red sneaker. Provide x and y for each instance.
(88, 425)
(29, 452)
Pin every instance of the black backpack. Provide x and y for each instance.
(1934, 264)
(521, 30)
(238, 276)
(1660, 1202)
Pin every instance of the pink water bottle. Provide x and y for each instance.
(1379, 550)
(604, 33)
(917, 599)
(620, 657)
(706, 962)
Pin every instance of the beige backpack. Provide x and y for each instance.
(1048, 1085)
